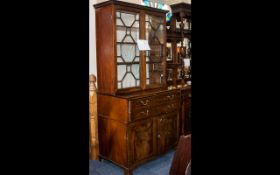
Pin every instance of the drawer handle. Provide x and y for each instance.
(144, 103)
(145, 112)
(158, 135)
(170, 97)
(171, 106)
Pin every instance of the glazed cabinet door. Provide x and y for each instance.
(155, 58)
(127, 34)
(167, 131)
(142, 140)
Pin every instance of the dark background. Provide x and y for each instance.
(44, 85)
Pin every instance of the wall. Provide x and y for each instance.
(92, 41)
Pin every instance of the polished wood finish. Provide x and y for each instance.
(185, 112)
(135, 124)
(93, 120)
(136, 127)
(105, 44)
(182, 156)
(175, 35)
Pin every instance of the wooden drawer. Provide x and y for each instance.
(139, 113)
(151, 111)
(167, 108)
(141, 102)
(166, 98)
(155, 104)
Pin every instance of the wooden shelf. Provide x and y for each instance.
(174, 36)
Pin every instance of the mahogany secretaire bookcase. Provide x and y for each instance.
(138, 117)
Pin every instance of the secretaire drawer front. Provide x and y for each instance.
(139, 113)
(167, 108)
(141, 102)
(154, 104)
(164, 98)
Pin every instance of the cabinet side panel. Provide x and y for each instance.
(113, 141)
(105, 49)
(112, 108)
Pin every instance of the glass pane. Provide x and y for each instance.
(119, 22)
(156, 50)
(178, 24)
(118, 50)
(147, 53)
(154, 73)
(128, 19)
(155, 34)
(128, 68)
(135, 34)
(129, 81)
(128, 39)
(121, 72)
(147, 71)
(128, 52)
(147, 17)
(160, 34)
(137, 51)
(121, 31)
(154, 21)
(118, 14)
(149, 31)
(119, 85)
(136, 70)
(136, 24)
(186, 24)
(120, 60)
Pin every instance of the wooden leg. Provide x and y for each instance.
(128, 172)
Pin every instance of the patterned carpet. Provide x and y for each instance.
(159, 166)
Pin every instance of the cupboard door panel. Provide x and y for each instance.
(142, 140)
(167, 131)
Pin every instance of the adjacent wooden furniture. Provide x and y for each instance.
(93, 121)
(179, 45)
(138, 117)
(182, 157)
(185, 113)
(179, 49)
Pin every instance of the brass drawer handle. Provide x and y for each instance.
(170, 97)
(144, 103)
(145, 112)
(171, 106)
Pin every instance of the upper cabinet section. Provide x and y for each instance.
(121, 67)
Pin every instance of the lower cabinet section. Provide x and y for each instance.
(129, 141)
(167, 132)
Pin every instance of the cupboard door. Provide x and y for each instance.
(155, 58)
(142, 140)
(127, 34)
(167, 131)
